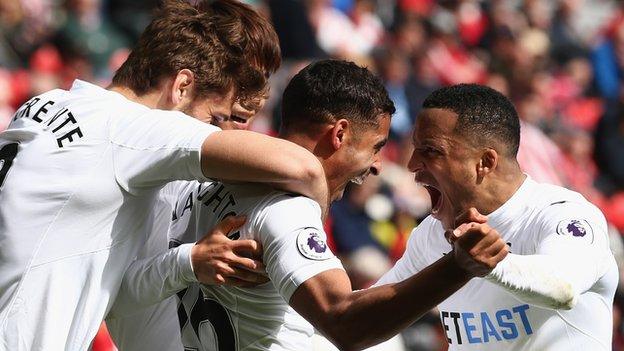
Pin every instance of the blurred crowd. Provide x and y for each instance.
(561, 62)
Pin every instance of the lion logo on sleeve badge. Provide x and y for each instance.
(312, 245)
(578, 228)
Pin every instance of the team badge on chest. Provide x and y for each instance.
(312, 245)
(578, 228)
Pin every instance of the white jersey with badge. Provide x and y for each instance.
(291, 233)
(539, 219)
(229, 318)
(78, 169)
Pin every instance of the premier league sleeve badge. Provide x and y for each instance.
(578, 228)
(311, 244)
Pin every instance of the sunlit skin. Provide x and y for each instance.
(358, 157)
(458, 174)
(222, 112)
(210, 109)
(346, 153)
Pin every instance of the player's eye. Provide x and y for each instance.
(238, 119)
(379, 146)
(429, 151)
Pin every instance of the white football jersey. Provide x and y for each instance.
(134, 322)
(539, 219)
(229, 318)
(78, 169)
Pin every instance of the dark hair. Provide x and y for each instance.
(225, 43)
(328, 90)
(482, 112)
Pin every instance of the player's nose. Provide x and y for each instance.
(415, 163)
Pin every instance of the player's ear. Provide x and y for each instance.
(182, 87)
(339, 133)
(487, 163)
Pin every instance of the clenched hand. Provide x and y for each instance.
(218, 260)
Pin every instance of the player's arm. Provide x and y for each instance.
(213, 260)
(238, 155)
(163, 146)
(564, 265)
(355, 320)
(301, 269)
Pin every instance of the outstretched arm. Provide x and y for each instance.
(351, 320)
(238, 155)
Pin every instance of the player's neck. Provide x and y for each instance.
(150, 99)
(300, 139)
(313, 145)
(499, 189)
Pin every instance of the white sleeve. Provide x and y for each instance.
(158, 272)
(149, 281)
(412, 260)
(294, 242)
(571, 254)
(156, 148)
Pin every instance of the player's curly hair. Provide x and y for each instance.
(482, 113)
(328, 90)
(225, 43)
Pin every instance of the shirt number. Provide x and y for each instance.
(7, 154)
(208, 311)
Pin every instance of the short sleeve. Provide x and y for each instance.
(575, 232)
(157, 147)
(580, 223)
(294, 242)
(412, 260)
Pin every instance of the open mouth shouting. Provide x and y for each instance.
(436, 198)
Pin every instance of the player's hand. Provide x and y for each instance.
(218, 260)
(471, 215)
(478, 248)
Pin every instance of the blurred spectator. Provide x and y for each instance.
(539, 155)
(409, 35)
(131, 17)
(6, 110)
(581, 109)
(343, 36)
(88, 38)
(452, 62)
(393, 67)
(46, 67)
(608, 61)
(609, 140)
(296, 35)
(565, 37)
(578, 167)
(24, 24)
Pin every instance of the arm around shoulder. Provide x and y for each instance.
(237, 155)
